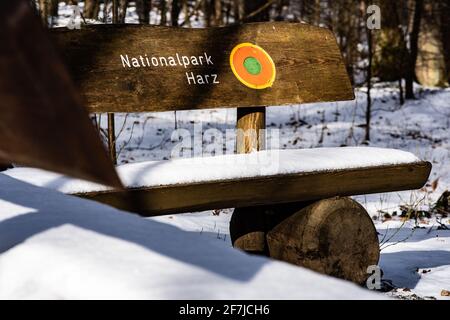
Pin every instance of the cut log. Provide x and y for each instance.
(333, 236)
(249, 225)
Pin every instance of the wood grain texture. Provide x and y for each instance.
(333, 236)
(308, 63)
(265, 190)
(250, 122)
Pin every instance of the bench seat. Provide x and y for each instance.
(260, 178)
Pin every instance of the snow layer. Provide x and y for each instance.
(57, 246)
(192, 170)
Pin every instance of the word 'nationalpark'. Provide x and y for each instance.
(168, 61)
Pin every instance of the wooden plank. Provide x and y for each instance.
(309, 66)
(266, 190)
(43, 122)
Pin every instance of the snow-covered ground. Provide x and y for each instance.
(56, 246)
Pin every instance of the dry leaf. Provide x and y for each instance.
(445, 293)
(435, 184)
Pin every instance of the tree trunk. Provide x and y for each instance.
(413, 48)
(207, 12)
(163, 6)
(186, 13)
(54, 8)
(430, 65)
(217, 12)
(44, 11)
(445, 33)
(238, 10)
(143, 9)
(91, 8)
(369, 86)
(123, 10)
(175, 12)
(390, 46)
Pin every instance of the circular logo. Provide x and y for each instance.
(252, 65)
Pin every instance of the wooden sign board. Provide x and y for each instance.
(43, 123)
(135, 68)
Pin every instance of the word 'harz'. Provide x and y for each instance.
(193, 78)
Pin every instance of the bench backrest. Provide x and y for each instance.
(142, 68)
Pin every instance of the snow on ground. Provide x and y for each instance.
(56, 246)
(416, 257)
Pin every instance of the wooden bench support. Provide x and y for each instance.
(333, 236)
(247, 221)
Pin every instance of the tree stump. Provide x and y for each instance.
(333, 236)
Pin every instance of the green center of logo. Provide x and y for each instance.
(252, 66)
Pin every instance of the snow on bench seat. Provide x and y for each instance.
(232, 181)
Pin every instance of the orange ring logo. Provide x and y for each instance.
(253, 66)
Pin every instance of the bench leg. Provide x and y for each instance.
(333, 236)
(249, 226)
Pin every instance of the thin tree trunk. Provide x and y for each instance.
(186, 13)
(143, 9)
(369, 85)
(175, 12)
(413, 49)
(228, 13)
(430, 66)
(163, 12)
(105, 10)
(91, 8)
(400, 89)
(44, 11)
(207, 12)
(123, 10)
(54, 8)
(237, 10)
(217, 12)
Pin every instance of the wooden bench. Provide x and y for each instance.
(287, 214)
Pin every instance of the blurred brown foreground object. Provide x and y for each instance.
(333, 236)
(43, 123)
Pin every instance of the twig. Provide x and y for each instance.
(197, 6)
(259, 10)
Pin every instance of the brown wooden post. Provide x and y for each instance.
(249, 123)
(250, 138)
